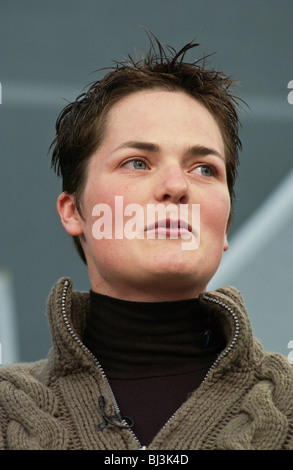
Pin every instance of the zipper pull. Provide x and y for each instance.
(123, 420)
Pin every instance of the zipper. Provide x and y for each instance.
(225, 352)
(80, 343)
(235, 337)
(115, 404)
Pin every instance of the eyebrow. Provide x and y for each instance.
(201, 151)
(194, 150)
(148, 146)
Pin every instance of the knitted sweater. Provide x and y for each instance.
(245, 402)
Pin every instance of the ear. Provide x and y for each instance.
(69, 215)
(226, 244)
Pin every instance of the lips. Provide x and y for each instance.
(170, 225)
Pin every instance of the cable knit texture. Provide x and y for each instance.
(245, 402)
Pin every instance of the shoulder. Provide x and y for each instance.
(28, 406)
(18, 371)
(29, 409)
(21, 378)
(270, 400)
(276, 368)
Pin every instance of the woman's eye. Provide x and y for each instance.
(135, 164)
(204, 170)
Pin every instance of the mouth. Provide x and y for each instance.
(170, 226)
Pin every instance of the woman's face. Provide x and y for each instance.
(161, 149)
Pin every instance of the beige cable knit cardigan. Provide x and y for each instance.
(245, 402)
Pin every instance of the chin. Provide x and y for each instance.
(178, 260)
(174, 285)
(173, 269)
(185, 267)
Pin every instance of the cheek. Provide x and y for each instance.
(215, 212)
(104, 215)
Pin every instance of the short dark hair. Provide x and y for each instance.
(80, 127)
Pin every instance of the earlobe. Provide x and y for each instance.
(226, 244)
(69, 215)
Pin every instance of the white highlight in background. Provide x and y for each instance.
(290, 95)
(290, 355)
(8, 328)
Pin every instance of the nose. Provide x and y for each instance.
(172, 185)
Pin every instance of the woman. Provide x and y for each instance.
(148, 358)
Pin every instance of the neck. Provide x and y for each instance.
(149, 337)
(158, 290)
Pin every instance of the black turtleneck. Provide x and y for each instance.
(154, 354)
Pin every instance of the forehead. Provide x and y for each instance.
(161, 116)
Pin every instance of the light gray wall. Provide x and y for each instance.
(48, 50)
(259, 263)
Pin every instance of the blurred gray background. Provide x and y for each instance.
(48, 50)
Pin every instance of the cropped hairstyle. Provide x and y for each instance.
(81, 125)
